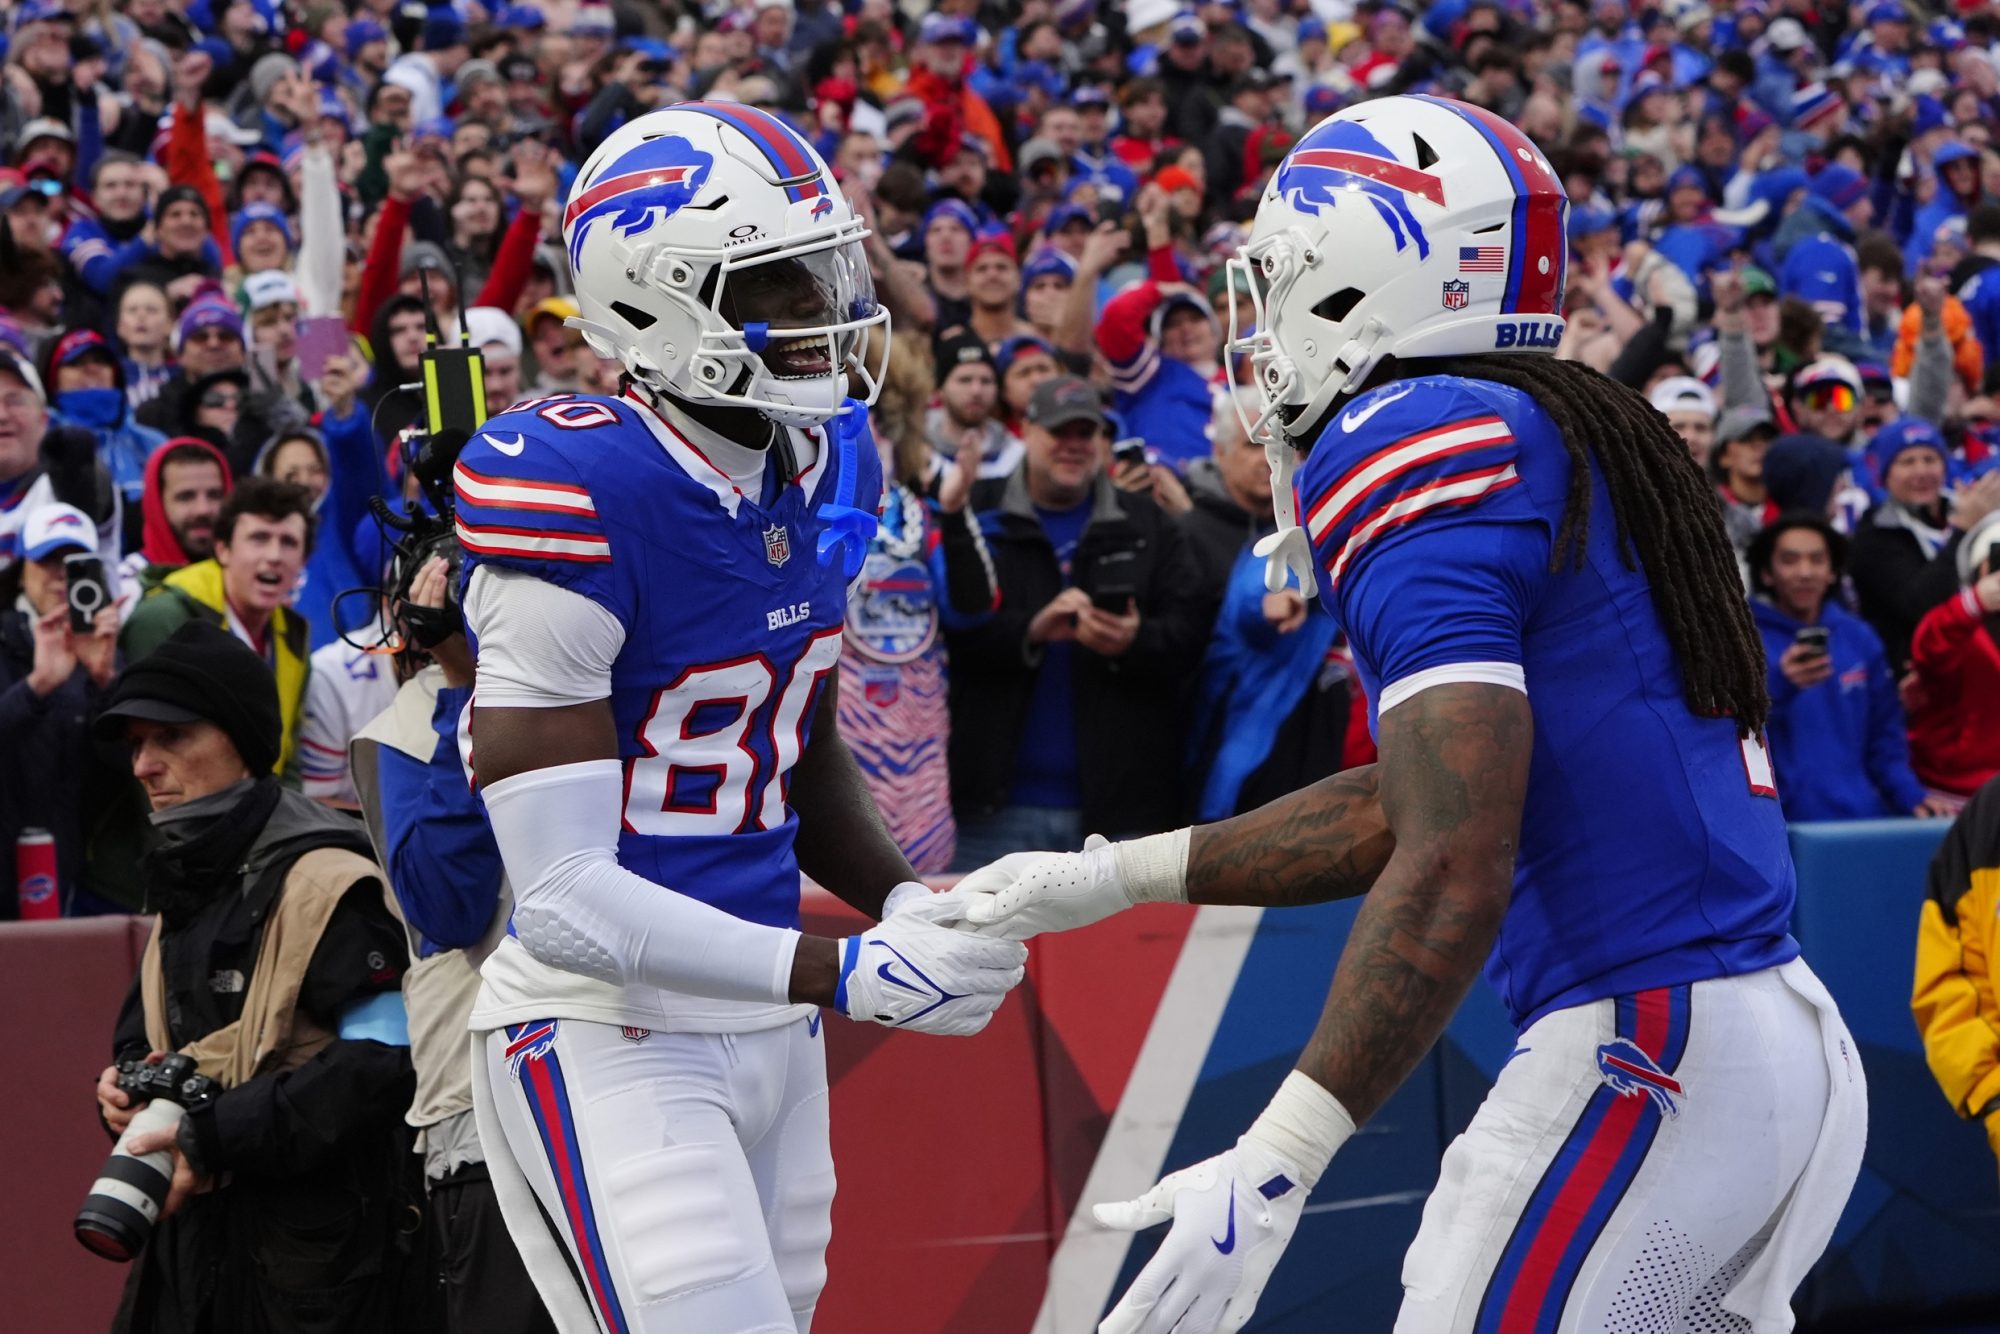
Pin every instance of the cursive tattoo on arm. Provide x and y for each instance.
(1453, 778)
(1326, 841)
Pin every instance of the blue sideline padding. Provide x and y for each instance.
(1922, 1233)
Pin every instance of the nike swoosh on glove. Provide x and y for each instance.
(909, 972)
(1026, 893)
(1233, 1216)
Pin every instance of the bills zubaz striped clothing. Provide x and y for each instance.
(1652, 864)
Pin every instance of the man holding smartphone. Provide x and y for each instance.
(1836, 733)
(54, 667)
(1063, 693)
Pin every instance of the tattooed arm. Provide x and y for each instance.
(1323, 842)
(1454, 774)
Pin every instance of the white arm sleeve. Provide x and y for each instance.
(540, 646)
(577, 909)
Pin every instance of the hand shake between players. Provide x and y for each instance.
(1233, 1214)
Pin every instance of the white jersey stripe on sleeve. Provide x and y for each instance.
(1462, 489)
(513, 494)
(1507, 674)
(1400, 457)
(518, 542)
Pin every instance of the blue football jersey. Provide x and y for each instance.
(1653, 849)
(732, 622)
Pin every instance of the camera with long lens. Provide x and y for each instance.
(126, 1199)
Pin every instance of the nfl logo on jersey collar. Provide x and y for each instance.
(777, 544)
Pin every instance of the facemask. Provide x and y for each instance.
(99, 409)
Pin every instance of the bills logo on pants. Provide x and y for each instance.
(531, 1055)
(1595, 1166)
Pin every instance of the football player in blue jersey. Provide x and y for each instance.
(1572, 789)
(656, 583)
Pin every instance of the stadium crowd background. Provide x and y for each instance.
(222, 215)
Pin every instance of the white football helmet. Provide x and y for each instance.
(718, 261)
(1406, 227)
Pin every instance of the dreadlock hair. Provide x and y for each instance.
(1665, 512)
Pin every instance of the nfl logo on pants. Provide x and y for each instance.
(777, 544)
(1457, 295)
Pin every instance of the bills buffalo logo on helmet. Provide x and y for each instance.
(646, 185)
(1342, 162)
(1624, 1065)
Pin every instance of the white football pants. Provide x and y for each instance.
(1666, 1163)
(688, 1176)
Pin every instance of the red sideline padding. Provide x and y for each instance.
(63, 982)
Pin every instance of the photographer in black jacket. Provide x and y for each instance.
(1064, 699)
(276, 964)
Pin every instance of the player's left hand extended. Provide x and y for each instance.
(1026, 893)
(1233, 1216)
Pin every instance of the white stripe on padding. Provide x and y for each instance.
(1458, 491)
(1086, 1263)
(1507, 674)
(130, 1196)
(1401, 458)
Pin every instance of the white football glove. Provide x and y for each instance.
(1026, 893)
(1233, 1216)
(910, 972)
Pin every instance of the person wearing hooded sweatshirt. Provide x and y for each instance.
(1955, 731)
(1815, 246)
(396, 340)
(1836, 729)
(1958, 193)
(86, 386)
(186, 481)
(1906, 548)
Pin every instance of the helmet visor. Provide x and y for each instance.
(800, 312)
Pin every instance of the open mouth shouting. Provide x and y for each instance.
(800, 358)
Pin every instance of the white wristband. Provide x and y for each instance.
(1154, 868)
(1304, 1125)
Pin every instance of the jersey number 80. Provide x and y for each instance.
(706, 725)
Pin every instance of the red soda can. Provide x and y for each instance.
(35, 874)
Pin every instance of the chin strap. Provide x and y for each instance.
(1287, 553)
(847, 529)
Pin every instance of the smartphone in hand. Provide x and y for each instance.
(320, 337)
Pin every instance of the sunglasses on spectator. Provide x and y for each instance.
(211, 336)
(1982, 422)
(1837, 397)
(213, 399)
(1881, 393)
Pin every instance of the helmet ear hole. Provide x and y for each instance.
(633, 316)
(1334, 309)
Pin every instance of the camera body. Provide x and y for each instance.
(171, 1077)
(129, 1194)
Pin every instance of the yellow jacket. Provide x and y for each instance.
(196, 591)
(1957, 992)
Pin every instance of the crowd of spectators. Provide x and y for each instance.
(225, 219)
(228, 225)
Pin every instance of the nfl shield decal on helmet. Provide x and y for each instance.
(1457, 295)
(777, 544)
